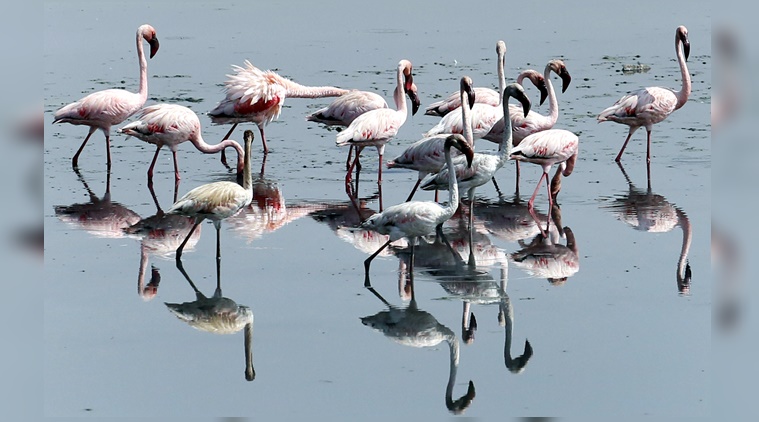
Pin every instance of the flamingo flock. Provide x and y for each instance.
(445, 158)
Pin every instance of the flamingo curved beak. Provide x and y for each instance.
(565, 78)
(154, 44)
(541, 84)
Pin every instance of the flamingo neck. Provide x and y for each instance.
(206, 148)
(296, 90)
(687, 236)
(508, 313)
(684, 92)
(247, 175)
(453, 344)
(453, 189)
(143, 92)
(466, 119)
(399, 96)
(553, 103)
(143, 269)
(507, 144)
(501, 75)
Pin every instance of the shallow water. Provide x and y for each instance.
(615, 337)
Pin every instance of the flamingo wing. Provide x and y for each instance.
(553, 144)
(347, 107)
(109, 107)
(376, 125)
(426, 154)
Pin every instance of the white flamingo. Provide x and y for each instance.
(546, 148)
(216, 201)
(418, 218)
(255, 95)
(648, 106)
(103, 109)
(376, 127)
(170, 125)
(218, 315)
(484, 165)
(345, 108)
(427, 154)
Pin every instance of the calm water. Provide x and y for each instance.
(615, 337)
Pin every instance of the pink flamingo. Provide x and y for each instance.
(377, 127)
(344, 110)
(254, 95)
(216, 201)
(648, 106)
(427, 154)
(546, 148)
(170, 125)
(103, 109)
(418, 218)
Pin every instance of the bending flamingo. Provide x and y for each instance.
(254, 95)
(418, 218)
(103, 109)
(170, 125)
(484, 165)
(345, 108)
(648, 106)
(216, 201)
(546, 148)
(376, 127)
(427, 155)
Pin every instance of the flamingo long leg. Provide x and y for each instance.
(108, 150)
(368, 262)
(176, 167)
(530, 206)
(152, 164)
(629, 135)
(184, 242)
(263, 138)
(75, 160)
(648, 147)
(413, 191)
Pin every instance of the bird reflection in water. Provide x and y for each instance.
(646, 211)
(545, 257)
(411, 326)
(101, 216)
(218, 315)
(160, 235)
(508, 220)
(268, 210)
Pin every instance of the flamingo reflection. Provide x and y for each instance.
(509, 220)
(100, 216)
(545, 257)
(160, 235)
(217, 314)
(411, 326)
(646, 211)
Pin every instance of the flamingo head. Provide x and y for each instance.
(683, 279)
(681, 35)
(467, 88)
(558, 67)
(500, 48)
(414, 97)
(457, 140)
(148, 32)
(467, 333)
(516, 91)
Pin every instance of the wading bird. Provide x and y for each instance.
(648, 106)
(103, 109)
(216, 201)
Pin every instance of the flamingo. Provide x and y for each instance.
(418, 218)
(484, 165)
(345, 108)
(533, 122)
(648, 106)
(546, 148)
(414, 327)
(170, 125)
(377, 127)
(426, 155)
(217, 315)
(257, 96)
(103, 109)
(216, 201)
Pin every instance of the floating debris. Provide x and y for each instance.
(635, 68)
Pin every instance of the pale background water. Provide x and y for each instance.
(615, 339)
